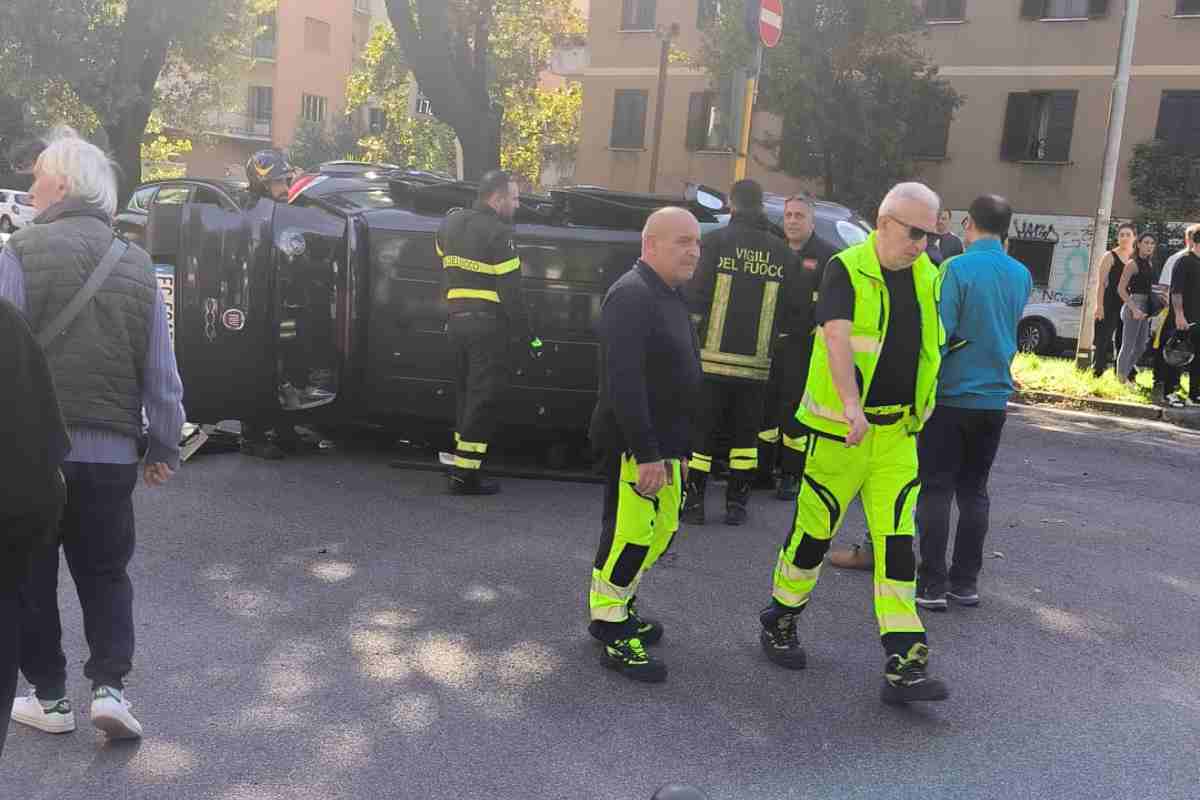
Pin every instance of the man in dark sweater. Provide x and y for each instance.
(643, 425)
(1185, 306)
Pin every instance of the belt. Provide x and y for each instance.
(474, 315)
(889, 417)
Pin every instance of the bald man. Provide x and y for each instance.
(870, 389)
(643, 424)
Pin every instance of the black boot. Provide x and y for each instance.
(778, 637)
(693, 504)
(789, 487)
(648, 630)
(737, 496)
(905, 679)
(469, 481)
(764, 477)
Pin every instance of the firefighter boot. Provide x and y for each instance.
(693, 502)
(764, 476)
(737, 496)
(778, 637)
(469, 481)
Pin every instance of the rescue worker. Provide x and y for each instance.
(871, 387)
(486, 309)
(736, 298)
(643, 424)
(789, 367)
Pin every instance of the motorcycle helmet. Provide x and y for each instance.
(1178, 352)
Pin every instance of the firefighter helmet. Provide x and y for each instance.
(265, 167)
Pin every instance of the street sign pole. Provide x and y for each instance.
(743, 151)
(764, 23)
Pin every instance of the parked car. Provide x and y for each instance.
(16, 210)
(344, 282)
(1049, 328)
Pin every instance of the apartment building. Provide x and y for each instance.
(297, 68)
(1036, 75)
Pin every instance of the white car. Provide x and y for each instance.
(1049, 328)
(16, 210)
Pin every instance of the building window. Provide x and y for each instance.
(314, 108)
(944, 10)
(316, 35)
(1038, 126)
(362, 6)
(707, 13)
(1179, 120)
(708, 128)
(377, 120)
(629, 119)
(1036, 255)
(1063, 9)
(261, 104)
(637, 15)
(1187, 8)
(264, 40)
(927, 139)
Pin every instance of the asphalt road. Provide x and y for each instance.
(331, 628)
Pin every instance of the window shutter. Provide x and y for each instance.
(646, 14)
(627, 9)
(955, 9)
(696, 123)
(1033, 9)
(1170, 117)
(1062, 124)
(1097, 8)
(1018, 121)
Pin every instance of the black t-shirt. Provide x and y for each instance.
(1185, 280)
(1112, 298)
(895, 381)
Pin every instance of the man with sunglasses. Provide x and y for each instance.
(870, 388)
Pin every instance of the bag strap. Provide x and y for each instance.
(65, 317)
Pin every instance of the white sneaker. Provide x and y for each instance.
(110, 713)
(58, 718)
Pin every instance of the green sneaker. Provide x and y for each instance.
(906, 681)
(49, 717)
(629, 657)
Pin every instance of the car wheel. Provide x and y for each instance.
(6, 225)
(1035, 336)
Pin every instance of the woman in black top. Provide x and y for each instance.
(1134, 290)
(1108, 302)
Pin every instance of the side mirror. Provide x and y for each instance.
(704, 197)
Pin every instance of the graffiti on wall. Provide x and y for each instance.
(1060, 252)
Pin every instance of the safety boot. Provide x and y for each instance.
(648, 630)
(905, 678)
(693, 503)
(629, 657)
(789, 487)
(737, 496)
(764, 476)
(778, 638)
(470, 482)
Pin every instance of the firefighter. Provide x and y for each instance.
(871, 387)
(736, 298)
(643, 424)
(486, 310)
(793, 349)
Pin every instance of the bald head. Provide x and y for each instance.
(671, 244)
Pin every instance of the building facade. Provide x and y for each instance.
(1037, 77)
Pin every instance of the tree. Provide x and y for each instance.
(316, 143)
(117, 60)
(1162, 180)
(479, 63)
(852, 88)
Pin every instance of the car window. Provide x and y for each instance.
(208, 196)
(24, 199)
(851, 233)
(3, 197)
(172, 196)
(141, 199)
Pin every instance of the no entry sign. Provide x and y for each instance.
(770, 22)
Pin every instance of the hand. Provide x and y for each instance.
(1137, 313)
(1099, 315)
(1181, 322)
(157, 475)
(651, 478)
(683, 469)
(858, 426)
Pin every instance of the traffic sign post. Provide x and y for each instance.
(766, 26)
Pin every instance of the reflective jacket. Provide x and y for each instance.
(736, 296)
(481, 267)
(822, 408)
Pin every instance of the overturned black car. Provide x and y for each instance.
(329, 308)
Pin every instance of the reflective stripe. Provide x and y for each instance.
(728, 370)
(438, 246)
(609, 602)
(481, 267)
(471, 447)
(467, 463)
(766, 320)
(794, 600)
(793, 574)
(771, 436)
(889, 591)
(822, 411)
(718, 312)
(701, 462)
(799, 444)
(900, 623)
(743, 454)
(472, 294)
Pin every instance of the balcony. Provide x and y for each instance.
(239, 126)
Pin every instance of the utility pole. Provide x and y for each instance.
(1108, 181)
(743, 151)
(667, 35)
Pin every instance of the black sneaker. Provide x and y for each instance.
(931, 599)
(737, 497)
(466, 482)
(692, 511)
(789, 488)
(905, 679)
(629, 657)
(964, 594)
(735, 514)
(779, 640)
(648, 630)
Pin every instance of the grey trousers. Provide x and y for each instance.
(1135, 335)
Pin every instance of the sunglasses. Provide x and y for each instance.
(914, 233)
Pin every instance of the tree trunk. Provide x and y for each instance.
(481, 145)
(125, 136)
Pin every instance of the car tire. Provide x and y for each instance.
(6, 225)
(1035, 336)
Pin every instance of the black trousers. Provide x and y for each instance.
(1193, 369)
(736, 407)
(1164, 373)
(16, 540)
(1107, 340)
(956, 450)
(480, 343)
(97, 537)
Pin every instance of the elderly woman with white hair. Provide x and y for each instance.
(94, 304)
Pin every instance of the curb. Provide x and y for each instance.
(1183, 417)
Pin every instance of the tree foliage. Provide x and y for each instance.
(1163, 180)
(107, 64)
(479, 62)
(315, 143)
(851, 86)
